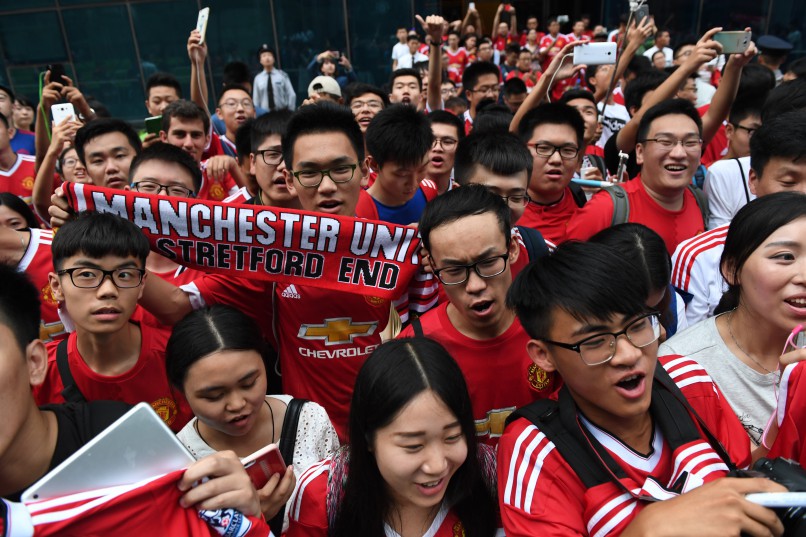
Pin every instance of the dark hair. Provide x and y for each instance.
(188, 110)
(455, 101)
(578, 93)
(357, 89)
(741, 110)
(406, 71)
(206, 331)
(755, 84)
(492, 118)
(797, 68)
(397, 372)
(98, 235)
(163, 79)
(462, 202)
(446, 118)
(513, 48)
(514, 86)
(474, 71)
(784, 98)
(275, 122)
(467, 36)
(644, 247)
(99, 127)
(163, 152)
(668, 107)
(237, 74)
(747, 232)
(584, 279)
(502, 154)
(638, 64)
(25, 102)
(19, 305)
(552, 114)
(778, 137)
(325, 117)
(5, 121)
(230, 87)
(640, 85)
(16, 204)
(399, 134)
(7, 91)
(684, 43)
(243, 140)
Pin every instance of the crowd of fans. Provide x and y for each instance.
(558, 207)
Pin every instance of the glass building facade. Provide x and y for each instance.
(110, 47)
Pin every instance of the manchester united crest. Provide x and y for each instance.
(375, 301)
(458, 530)
(538, 378)
(216, 192)
(165, 407)
(28, 183)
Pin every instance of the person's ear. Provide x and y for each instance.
(289, 182)
(142, 285)
(370, 164)
(56, 286)
(639, 154)
(514, 251)
(252, 160)
(540, 354)
(36, 356)
(219, 113)
(753, 181)
(163, 136)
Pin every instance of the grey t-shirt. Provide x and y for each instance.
(751, 394)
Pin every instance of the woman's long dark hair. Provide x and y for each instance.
(748, 230)
(396, 373)
(16, 204)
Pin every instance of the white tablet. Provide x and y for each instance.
(138, 446)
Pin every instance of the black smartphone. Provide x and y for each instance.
(641, 13)
(57, 73)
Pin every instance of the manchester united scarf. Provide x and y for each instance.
(283, 245)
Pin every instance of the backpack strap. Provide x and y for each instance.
(744, 180)
(71, 393)
(702, 202)
(534, 242)
(621, 205)
(578, 194)
(288, 440)
(416, 325)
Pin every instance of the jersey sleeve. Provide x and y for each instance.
(537, 493)
(710, 404)
(720, 210)
(790, 414)
(307, 511)
(691, 278)
(595, 216)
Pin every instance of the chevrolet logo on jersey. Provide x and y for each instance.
(337, 331)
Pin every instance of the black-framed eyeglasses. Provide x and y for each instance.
(92, 278)
(518, 200)
(546, 150)
(270, 157)
(668, 143)
(338, 174)
(485, 268)
(749, 130)
(495, 90)
(600, 348)
(152, 187)
(446, 143)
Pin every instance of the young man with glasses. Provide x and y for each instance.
(448, 132)
(235, 106)
(630, 446)
(98, 276)
(481, 80)
(467, 237)
(554, 135)
(365, 101)
(668, 150)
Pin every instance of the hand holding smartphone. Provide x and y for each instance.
(201, 23)
(595, 54)
(264, 463)
(733, 42)
(62, 111)
(153, 124)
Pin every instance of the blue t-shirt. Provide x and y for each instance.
(24, 143)
(404, 214)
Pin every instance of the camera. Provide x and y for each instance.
(792, 476)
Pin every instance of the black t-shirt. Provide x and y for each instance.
(78, 423)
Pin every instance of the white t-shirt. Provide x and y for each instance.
(667, 52)
(750, 393)
(615, 117)
(695, 273)
(407, 61)
(399, 50)
(728, 190)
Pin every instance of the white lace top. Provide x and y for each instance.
(316, 438)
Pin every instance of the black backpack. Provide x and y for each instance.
(621, 204)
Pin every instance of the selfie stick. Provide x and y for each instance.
(634, 5)
(594, 184)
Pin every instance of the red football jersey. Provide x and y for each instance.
(181, 276)
(673, 226)
(19, 179)
(307, 515)
(146, 508)
(241, 196)
(551, 220)
(146, 382)
(554, 45)
(718, 146)
(540, 494)
(36, 263)
(216, 190)
(457, 61)
(215, 146)
(499, 374)
(791, 416)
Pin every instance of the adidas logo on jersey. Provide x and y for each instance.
(291, 292)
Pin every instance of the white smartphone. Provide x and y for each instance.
(471, 6)
(733, 42)
(595, 54)
(201, 23)
(62, 111)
